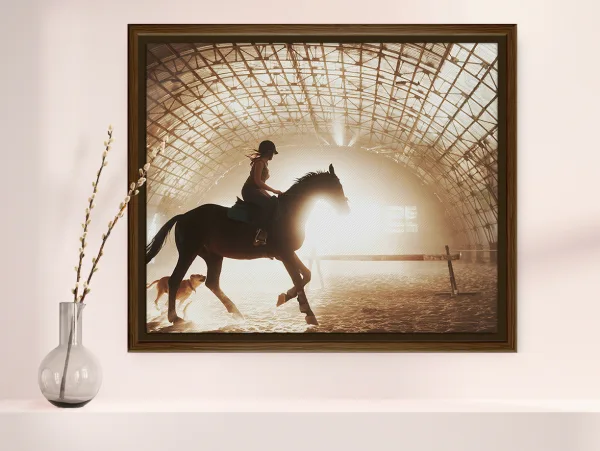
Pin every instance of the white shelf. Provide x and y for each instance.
(300, 425)
(307, 406)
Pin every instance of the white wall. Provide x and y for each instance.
(64, 79)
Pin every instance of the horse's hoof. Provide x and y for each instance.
(312, 320)
(174, 319)
(281, 299)
(238, 316)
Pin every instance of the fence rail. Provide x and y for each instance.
(449, 257)
(386, 257)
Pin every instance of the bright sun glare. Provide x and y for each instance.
(328, 232)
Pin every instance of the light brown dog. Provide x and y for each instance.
(186, 287)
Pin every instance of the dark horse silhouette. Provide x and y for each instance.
(206, 231)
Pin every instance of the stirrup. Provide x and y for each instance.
(259, 241)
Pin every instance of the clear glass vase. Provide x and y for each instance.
(70, 358)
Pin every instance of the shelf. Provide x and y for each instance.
(294, 424)
(307, 405)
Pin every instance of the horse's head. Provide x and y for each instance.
(335, 193)
(322, 184)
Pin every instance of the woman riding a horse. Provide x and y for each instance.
(208, 232)
(255, 190)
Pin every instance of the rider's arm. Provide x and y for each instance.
(256, 173)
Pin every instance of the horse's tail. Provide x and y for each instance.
(154, 247)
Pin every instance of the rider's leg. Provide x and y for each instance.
(265, 219)
(263, 200)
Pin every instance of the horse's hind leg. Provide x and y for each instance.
(183, 264)
(293, 292)
(214, 264)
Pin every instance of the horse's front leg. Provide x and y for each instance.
(291, 265)
(214, 265)
(293, 292)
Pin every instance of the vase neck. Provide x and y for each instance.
(70, 318)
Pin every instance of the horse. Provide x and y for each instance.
(207, 232)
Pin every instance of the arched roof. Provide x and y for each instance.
(432, 108)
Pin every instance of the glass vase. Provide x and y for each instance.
(70, 375)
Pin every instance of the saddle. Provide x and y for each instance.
(243, 211)
(247, 212)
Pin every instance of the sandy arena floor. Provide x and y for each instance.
(356, 297)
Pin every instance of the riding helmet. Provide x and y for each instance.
(267, 147)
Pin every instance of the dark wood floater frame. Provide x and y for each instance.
(505, 337)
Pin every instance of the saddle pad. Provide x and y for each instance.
(239, 212)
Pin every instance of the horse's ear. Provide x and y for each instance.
(331, 171)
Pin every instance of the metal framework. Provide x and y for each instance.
(432, 108)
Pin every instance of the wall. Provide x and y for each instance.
(64, 70)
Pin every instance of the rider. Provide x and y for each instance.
(255, 189)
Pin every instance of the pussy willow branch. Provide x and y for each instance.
(105, 236)
(88, 212)
(133, 191)
(63, 381)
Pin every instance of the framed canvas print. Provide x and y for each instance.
(323, 187)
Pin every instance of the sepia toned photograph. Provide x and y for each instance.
(321, 189)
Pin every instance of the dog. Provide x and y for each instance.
(185, 290)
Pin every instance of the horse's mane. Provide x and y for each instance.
(310, 175)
